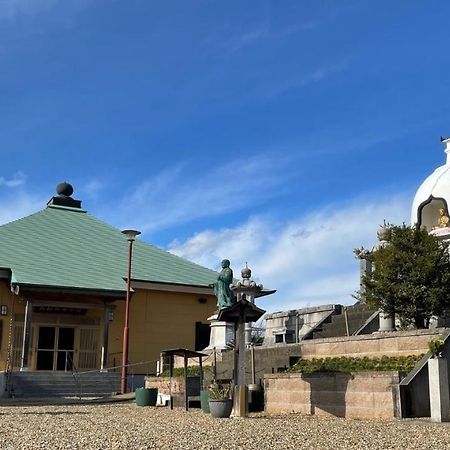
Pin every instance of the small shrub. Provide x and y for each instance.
(218, 391)
(192, 371)
(436, 347)
(346, 364)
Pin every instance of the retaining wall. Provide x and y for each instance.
(358, 395)
(278, 357)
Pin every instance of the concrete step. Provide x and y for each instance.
(356, 316)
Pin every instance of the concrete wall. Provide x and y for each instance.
(286, 323)
(277, 358)
(362, 395)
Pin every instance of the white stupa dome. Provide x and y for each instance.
(433, 195)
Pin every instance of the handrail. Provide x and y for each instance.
(79, 379)
(118, 367)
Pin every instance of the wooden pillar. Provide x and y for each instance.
(240, 344)
(104, 361)
(26, 336)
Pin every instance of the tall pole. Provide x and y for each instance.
(123, 380)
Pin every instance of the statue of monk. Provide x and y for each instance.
(224, 294)
(443, 219)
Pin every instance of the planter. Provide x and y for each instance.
(204, 401)
(220, 408)
(146, 396)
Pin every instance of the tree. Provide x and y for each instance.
(410, 276)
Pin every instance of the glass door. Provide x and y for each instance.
(64, 353)
(55, 348)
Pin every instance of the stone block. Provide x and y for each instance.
(359, 399)
(413, 343)
(299, 397)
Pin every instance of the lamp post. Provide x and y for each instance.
(131, 236)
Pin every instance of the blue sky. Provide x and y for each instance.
(278, 133)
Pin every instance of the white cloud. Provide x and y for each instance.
(309, 260)
(19, 205)
(9, 9)
(301, 80)
(13, 9)
(92, 188)
(17, 179)
(180, 195)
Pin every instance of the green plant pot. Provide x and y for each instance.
(204, 401)
(146, 396)
(220, 408)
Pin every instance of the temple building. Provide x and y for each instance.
(63, 288)
(430, 205)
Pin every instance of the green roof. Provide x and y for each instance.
(69, 248)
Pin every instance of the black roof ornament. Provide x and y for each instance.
(64, 191)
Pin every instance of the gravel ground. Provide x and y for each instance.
(126, 426)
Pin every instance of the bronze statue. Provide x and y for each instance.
(222, 291)
(443, 219)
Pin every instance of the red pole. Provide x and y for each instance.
(123, 379)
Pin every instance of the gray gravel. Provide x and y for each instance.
(126, 426)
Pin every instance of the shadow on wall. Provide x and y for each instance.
(328, 393)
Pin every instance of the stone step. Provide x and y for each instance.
(356, 316)
(57, 384)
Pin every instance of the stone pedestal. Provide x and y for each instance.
(387, 323)
(222, 334)
(439, 392)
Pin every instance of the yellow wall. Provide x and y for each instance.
(159, 320)
(6, 298)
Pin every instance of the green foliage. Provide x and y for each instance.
(345, 364)
(410, 276)
(436, 346)
(192, 371)
(219, 391)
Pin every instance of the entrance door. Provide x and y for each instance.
(55, 348)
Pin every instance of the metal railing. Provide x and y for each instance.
(132, 374)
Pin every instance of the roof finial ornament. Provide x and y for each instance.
(64, 199)
(64, 189)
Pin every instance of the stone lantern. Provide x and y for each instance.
(241, 313)
(387, 322)
(247, 289)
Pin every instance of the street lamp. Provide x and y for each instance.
(131, 236)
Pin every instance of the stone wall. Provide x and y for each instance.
(396, 343)
(163, 385)
(361, 395)
(278, 357)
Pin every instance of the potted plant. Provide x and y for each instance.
(436, 347)
(146, 396)
(220, 403)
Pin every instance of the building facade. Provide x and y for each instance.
(63, 288)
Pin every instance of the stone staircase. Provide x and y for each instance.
(357, 315)
(64, 384)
